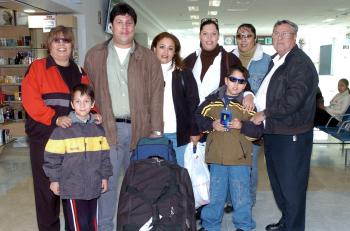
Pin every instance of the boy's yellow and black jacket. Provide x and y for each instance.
(233, 147)
(78, 158)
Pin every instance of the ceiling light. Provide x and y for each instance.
(193, 8)
(237, 10)
(194, 16)
(29, 11)
(215, 3)
(341, 9)
(195, 23)
(213, 12)
(329, 20)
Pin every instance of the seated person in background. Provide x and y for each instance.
(228, 151)
(338, 106)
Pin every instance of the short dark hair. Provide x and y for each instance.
(239, 68)
(122, 8)
(249, 26)
(286, 21)
(84, 89)
(207, 21)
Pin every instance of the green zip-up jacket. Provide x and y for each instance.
(233, 147)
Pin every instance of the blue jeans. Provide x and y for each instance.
(120, 159)
(226, 179)
(180, 151)
(254, 174)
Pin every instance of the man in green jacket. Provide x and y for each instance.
(129, 89)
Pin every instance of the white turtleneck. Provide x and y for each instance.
(169, 115)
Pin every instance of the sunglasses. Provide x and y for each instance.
(214, 20)
(236, 80)
(62, 40)
(244, 36)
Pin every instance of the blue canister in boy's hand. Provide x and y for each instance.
(225, 117)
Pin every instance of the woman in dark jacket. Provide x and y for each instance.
(180, 94)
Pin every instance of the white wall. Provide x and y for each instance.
(89, 31)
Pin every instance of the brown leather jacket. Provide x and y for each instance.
(146, 90)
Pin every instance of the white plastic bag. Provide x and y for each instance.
(199, 173)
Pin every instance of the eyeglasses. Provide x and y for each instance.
(244, 36)
(62, 40)
(283, 34)
(236, 80)
(214, 20)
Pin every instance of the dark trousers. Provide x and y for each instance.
(288, 166)
(81, 214)
(47, 204)
(322, 117)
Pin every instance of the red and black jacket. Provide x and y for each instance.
(46, 95)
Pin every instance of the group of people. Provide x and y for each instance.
(140, 92)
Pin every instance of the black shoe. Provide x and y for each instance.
(274, 227)
(228, 208)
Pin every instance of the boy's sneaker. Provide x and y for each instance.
(228, 208)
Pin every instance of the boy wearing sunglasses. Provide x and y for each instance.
(228, 151)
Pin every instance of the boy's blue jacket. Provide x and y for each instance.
(78, 158)
(233, 147)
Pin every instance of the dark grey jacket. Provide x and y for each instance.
(291, 95)
(186, 100)
(78, 158)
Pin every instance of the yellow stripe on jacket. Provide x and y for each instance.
(75, 145)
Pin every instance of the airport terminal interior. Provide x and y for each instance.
(324, 36)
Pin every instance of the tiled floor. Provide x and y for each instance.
(328, 199)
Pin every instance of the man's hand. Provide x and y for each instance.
(55, 188)
(155, 134)
(63, 122)
(195, 139)
(104, 185)
(258, 118)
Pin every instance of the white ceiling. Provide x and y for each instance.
(173, 15)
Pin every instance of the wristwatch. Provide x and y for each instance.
(158, 133)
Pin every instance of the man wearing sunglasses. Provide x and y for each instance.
(286, 103)
(253, 58)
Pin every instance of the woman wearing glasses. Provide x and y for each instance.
(46, 96)
(180, 95)
(257, 62)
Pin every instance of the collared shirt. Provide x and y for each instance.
(117, 73)
(260, 98)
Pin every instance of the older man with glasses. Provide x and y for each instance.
(286, 105)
